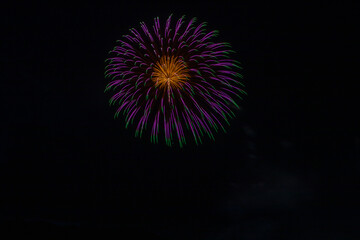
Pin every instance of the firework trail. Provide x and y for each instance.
(173, 79)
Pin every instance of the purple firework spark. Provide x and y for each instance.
(174, 78)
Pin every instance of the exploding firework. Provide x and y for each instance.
(174, 80)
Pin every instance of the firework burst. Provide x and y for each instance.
(174, 80)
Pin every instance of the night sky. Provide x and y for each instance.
(285, 169)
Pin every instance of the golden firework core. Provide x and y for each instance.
(170, 72)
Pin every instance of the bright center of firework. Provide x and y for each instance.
(169, 72)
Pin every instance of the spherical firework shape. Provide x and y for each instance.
(173, 79)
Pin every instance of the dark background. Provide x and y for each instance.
(286, 169)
